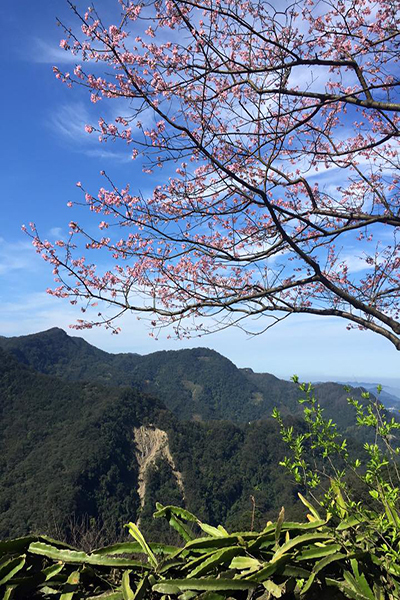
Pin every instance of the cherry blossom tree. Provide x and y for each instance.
(269, 133)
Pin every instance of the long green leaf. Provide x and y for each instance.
(117, 595)
(352, 521)
(216, 559)
(245, 562)
(174, 516)
(204, 585)
(362, 583)
(310, 507)
(8, 594)
(137, 534)
(135, 548)
(299, 540)
(162, 511)
(213, 531)
(52, 571)
(142, 588)
(214, 543)
(127, 591)
(319, 566)
(10, 567)
(20, 545)
(75, 557)
(278, 526)
(318, 551)
(267, 571)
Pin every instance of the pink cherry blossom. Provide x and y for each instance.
(278, 136)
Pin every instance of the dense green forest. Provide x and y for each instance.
(68, 454)
(198, 384)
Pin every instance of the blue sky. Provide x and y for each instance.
(45, 151)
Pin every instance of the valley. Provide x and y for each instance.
(90, 435)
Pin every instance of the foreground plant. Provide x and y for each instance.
(285, 560)
(321, 461)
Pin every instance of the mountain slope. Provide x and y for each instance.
(65, 449)
(72, 450)
(196, 384)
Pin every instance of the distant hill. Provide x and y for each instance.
(196, 384)
(86, 433)
(73, 450)
(390, 397)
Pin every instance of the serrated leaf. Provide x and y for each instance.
(245, 562)
(319, 566)
(310, 507)
(353, 585)
(117, 595)
(318, 551)
(299, 540)
(142, 588)
(362, 583)
(208, 596)
(76, 557)
(348, 523)
(267, 571)
(174, 514)
(127, 591)
(21, 544)
(217, 558)
(278, 526)
(135, 548)
(8, 594)
(212, 543)
(212, 531)
(204, 585)
(190, 595)
(166, 587)
(175, 510)
(275, 590)
(52, 570)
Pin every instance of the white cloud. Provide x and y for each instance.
(15, 256)
(50, 53)
(56, 232)
(69, 121)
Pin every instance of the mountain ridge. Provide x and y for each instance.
(198, 383)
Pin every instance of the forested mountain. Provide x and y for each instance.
(80, 435)
(196, 384)
(69, 449)
(65, 448)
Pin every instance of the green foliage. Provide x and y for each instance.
(65, 450)
(284, 560)
(377, 469)
(348, 548)
(195, 383)
(67, 458)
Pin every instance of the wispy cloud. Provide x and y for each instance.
(15, 256)
(69, 121)
(56, 232)
(50, 53)
(106, 154)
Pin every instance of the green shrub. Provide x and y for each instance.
(348, 548)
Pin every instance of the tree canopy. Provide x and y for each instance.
(269, 133)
